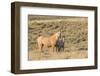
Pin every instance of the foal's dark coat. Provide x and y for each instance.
(60, 45)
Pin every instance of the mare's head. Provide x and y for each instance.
(58, 34)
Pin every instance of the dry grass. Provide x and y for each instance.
(74, 29)
(57, 55)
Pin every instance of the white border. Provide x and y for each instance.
(25, 64)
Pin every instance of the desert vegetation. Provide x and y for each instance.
(73, 29)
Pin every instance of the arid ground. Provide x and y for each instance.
(74, 29)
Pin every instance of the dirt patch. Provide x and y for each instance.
(47, 55)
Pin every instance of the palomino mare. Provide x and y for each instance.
(44, 42)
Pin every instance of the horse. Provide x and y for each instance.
(60, 44)
(44, 42)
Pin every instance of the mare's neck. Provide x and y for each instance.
(54, 37)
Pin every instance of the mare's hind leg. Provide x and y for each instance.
(40, 47)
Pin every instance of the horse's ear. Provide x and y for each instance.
(60, 34)
(63, 38)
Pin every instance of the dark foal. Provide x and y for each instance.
(60, 44)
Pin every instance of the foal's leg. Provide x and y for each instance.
(58, 50)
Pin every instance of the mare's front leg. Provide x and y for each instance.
(52, 49)
(56, 49)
